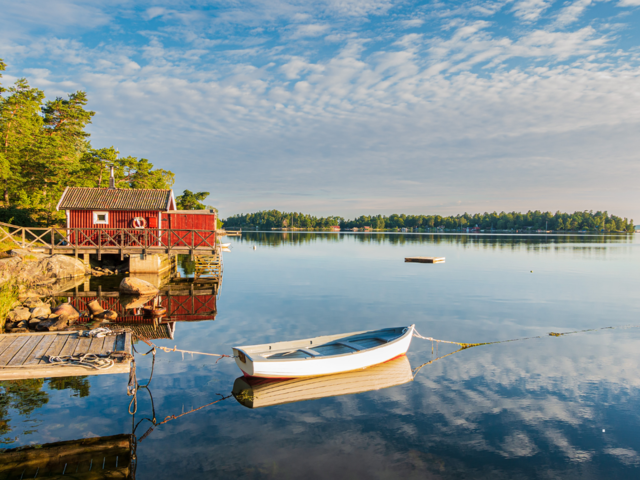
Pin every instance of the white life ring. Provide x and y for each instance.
(139, 222)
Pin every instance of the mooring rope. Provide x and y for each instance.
(168, 418)
(552, 334)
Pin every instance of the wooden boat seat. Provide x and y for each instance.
(333, 348)
(355, 346)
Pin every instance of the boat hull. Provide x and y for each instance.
(317, 366)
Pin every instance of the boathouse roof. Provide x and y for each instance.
(77, 198)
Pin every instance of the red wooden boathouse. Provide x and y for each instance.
(105, 217)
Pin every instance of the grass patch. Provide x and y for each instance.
(8, 297)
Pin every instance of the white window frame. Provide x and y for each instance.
(100, 222)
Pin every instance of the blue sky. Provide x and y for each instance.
(355, 107)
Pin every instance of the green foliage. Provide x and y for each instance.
(512, 221)
(8, 297)
(44, 148)
(188, 266)
(25, 396)
(268, 219)
(79, 385)
(191, 201)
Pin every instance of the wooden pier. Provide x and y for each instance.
(24, 355)
(122, 241)
(424, 259)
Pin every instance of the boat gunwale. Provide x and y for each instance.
(410, 329)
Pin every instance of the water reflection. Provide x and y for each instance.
(260, 392)
(21, 398)
(88, 458)
(494, 241)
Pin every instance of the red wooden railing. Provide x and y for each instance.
(121, 238)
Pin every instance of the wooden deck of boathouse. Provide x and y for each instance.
(24, 355)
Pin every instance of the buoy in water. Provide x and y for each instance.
(254, 247)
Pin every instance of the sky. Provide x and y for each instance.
(351, 107)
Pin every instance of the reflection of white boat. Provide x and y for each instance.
(262, 392)
(324, 355)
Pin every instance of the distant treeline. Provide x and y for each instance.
(577, 221)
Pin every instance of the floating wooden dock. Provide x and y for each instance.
(425, 259)
(24, 355)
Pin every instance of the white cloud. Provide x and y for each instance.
(309, 30)
(412, 23)
(530, 10)
(572, 12)
(629, 3)
(358, 8)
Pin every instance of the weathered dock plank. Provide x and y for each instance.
(82, 346)
(14, 348)
(25, 355)
(96, 345)
(109, 345)
(424, 259)
(5, 342)
(56, 346)
(26, 350)
(40, 350)
(69, 346)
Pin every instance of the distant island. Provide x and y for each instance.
(536, 221)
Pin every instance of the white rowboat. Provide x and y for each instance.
(324, 355)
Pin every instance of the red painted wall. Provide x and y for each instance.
(192, 221)
(124, 219)
(117, 218)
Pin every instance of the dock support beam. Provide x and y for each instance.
(87, 263)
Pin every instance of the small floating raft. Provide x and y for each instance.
(324, 355)
(424, 259)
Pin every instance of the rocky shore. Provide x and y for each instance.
(37, 314)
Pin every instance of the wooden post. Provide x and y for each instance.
(53, 239)
(23, 238)
(86, 261)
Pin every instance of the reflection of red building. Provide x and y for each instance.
(180, 308)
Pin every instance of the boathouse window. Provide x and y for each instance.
(101, 217)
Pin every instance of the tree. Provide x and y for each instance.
(191, 201)
(44, 148)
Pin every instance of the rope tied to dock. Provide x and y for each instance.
(87, 360)
(99, 332)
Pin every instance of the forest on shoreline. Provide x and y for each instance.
(588, 221)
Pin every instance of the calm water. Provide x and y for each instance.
(552, 407)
